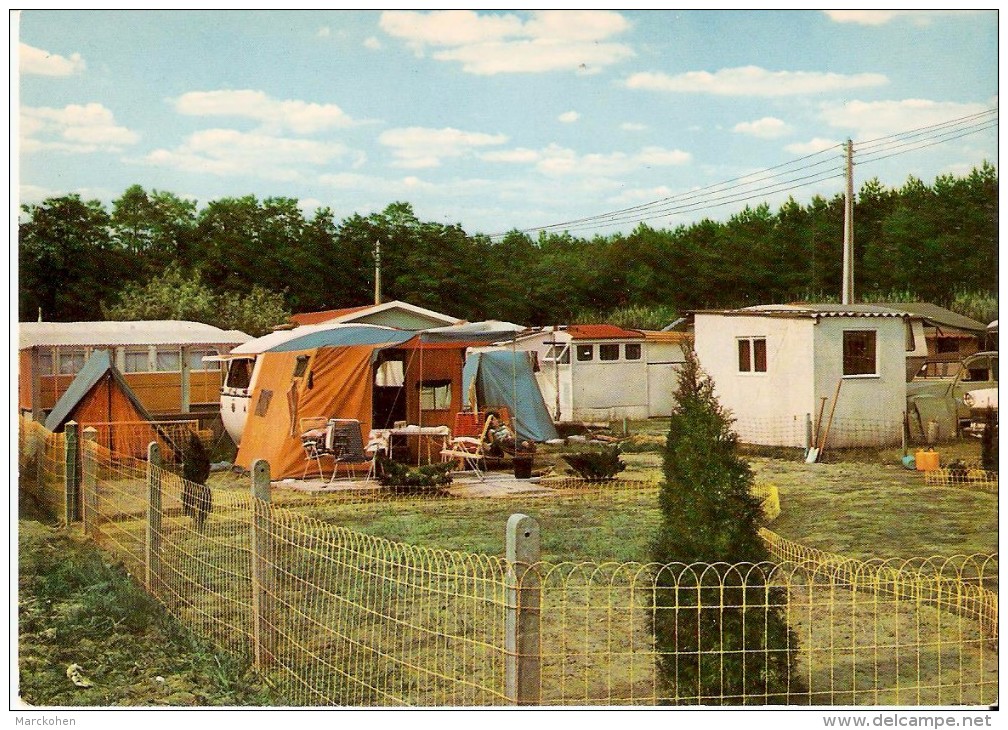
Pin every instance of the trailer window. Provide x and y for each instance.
(632, 352)
(608, 352)
(585, 353)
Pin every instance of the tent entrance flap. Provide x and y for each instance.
(388, 395)
(505, 378)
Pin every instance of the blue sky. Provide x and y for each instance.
(502, 119)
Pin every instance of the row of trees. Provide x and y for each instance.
(930, 241)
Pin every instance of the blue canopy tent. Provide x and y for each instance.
(504, 377)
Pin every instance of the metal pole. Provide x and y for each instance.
(152, 553)
(848, 242)
(522, 648)
(377, 271)
(263, 621)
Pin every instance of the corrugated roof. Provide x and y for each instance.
(940, 317)
(815, 311)
(115, 334)
(674, 337)
(90, 375)
(602, 332)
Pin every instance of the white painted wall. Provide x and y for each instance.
(769, 407)
(663, 360)
(609, 390)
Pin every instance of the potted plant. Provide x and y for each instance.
(523, 456)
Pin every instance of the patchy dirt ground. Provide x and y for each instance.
(76, 608)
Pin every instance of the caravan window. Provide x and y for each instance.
(632, 352)
(300, 366)
(136, 361)
(608, 352)
(859, 352)
(169, 361)
(558, 353)
(239, 373)
(45, 362)
(585, 353)
(70, 361)
(435, 395)
(196, 360)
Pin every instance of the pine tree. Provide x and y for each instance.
(720, 629)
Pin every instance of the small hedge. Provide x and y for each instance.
(427, 478)
(604, 463)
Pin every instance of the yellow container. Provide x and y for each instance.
(927, 460)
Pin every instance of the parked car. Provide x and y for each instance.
(955, 403)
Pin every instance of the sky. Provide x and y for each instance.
(501, 120)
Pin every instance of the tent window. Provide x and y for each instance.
(632, 352)
(169, 361)
(300, 366)
(585, 353)
(71, 362)
(136, 362)
(265, 396)
(435, 395)
(608, 352)
(859, 352)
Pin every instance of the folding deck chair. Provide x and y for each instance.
(466, 449)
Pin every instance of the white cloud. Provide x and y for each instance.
(881, 17)
(372, 43)
(765, 128)
(816, 144)
(877, 118)
(324, 32)
(753, 81)
(569, 117)
(228, 152)
(417, 147)
(632, 196)
(487, 44)
(38, 62)
(556, 161)
(298, 116)
(633, 127)
(76, 128)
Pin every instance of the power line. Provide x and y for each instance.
(721, 193)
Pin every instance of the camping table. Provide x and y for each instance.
(405, 432)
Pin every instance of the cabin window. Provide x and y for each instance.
(435, 395)
(239, 373)
(859, 352)
(300, 366)
(71, 362)
(265, 396)
(752, 355)
(585, 353)
(558, 353)
(196, 360)
(45, 362)
(608, 352)
(632, 352)
(169, 361)
(136, 362)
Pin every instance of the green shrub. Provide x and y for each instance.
(989, 440)
(596, 464)
(721, 633)
(401, 478)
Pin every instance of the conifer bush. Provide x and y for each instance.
(720, 631)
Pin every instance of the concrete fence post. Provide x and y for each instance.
(152, 553)
(71, 476)
(264, 611)
(522, 645)
(89, 481)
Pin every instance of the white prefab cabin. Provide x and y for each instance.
(598, 373)
(774, 365)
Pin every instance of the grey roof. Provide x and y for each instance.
(814, 311)
(89, 376)
(937, 316)
(114, 334)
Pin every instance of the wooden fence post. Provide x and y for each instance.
(152, 553)
(808, 432)
(263, 620)
(522, 621)
(89, 481)
(71, 480)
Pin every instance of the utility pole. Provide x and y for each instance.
(848, 228)
(377, 271)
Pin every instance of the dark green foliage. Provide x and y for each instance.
(711, 649)
(604, 463)
(989, 440)
(403, 479)
(197, 499)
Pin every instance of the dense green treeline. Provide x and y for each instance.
(77, 259)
